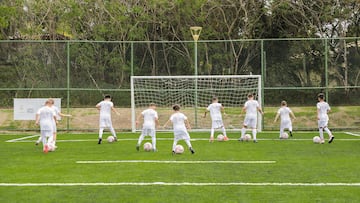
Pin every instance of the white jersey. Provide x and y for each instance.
(105, 113)
(284, 113)
(215, 111)
(178, 120)
(57, 111)
(46, 118)
(251, 107)
(323, 108)
(150, 115)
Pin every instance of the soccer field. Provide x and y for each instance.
(272, 170)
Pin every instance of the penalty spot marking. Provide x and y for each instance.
(176, 162)
(179, 184)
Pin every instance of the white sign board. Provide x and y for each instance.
(25, 109)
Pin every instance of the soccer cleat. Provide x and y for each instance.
(192, 150)
(226, 138)
(331, 139)
(154, 150)
(255, 141)
(322, 142)
(36, 143)
(137, 147)
(99, 141)
(290, 134)
(115, 139)
(173, 152)
(46, 149)
(241, 139)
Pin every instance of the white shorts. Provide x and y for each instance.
(105, 123)
(217, 124)
(286, 124)
(250, 122)
(322, 123)
(181, 135)
(148, 132)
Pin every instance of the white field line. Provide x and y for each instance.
(180, 184)
(167, 139)
(22, 138)
(354, 134)
(175, 162)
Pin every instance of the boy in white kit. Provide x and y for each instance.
(251, 107)
(322, 115)
(105, 107)
(151, 120)
(58, 116)
(45, 117)
(215, 109)
(284, 113)
(180, 126)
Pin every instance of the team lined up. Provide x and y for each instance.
(47, 118)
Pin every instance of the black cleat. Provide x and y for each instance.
(192, 150)
(331, 139)
(255, 141)
(290, 134)
(99, 141)
(137, 147)
(173, 152)
(240, 139)
(115, 139)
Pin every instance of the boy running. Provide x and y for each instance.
(45, 117)
(251, 107)
(58, 116)
(285, 112)
(180, 126)
(323, 109)
(105, 107)
(151, 120)
(215, 109)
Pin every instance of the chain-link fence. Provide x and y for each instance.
(81, 72)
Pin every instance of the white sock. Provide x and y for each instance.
(321, 132)
(187, 141)
(141, 138)
(174, 145)
(243, 131)
(254, 133)
(224, 131)
(328, 131)
(101, 131)
(153, 142)
(212, 131)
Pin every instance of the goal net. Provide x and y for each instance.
(194, 94)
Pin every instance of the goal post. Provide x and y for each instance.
(165, 91)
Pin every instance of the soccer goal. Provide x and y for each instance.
(194, 94)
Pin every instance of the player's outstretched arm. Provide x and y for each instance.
(114, 110)
(276, 117)
(167, 122)
(187, 124)
(37, 118)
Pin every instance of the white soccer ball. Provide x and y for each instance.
(220, 137)
(148, 147)
(317, 140)
(110, 139)
(51, 147)
(179, 149)
(247, 137)
(284, 136)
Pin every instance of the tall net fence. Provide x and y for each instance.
(80, 73)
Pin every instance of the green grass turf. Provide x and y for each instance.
(298, 160)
